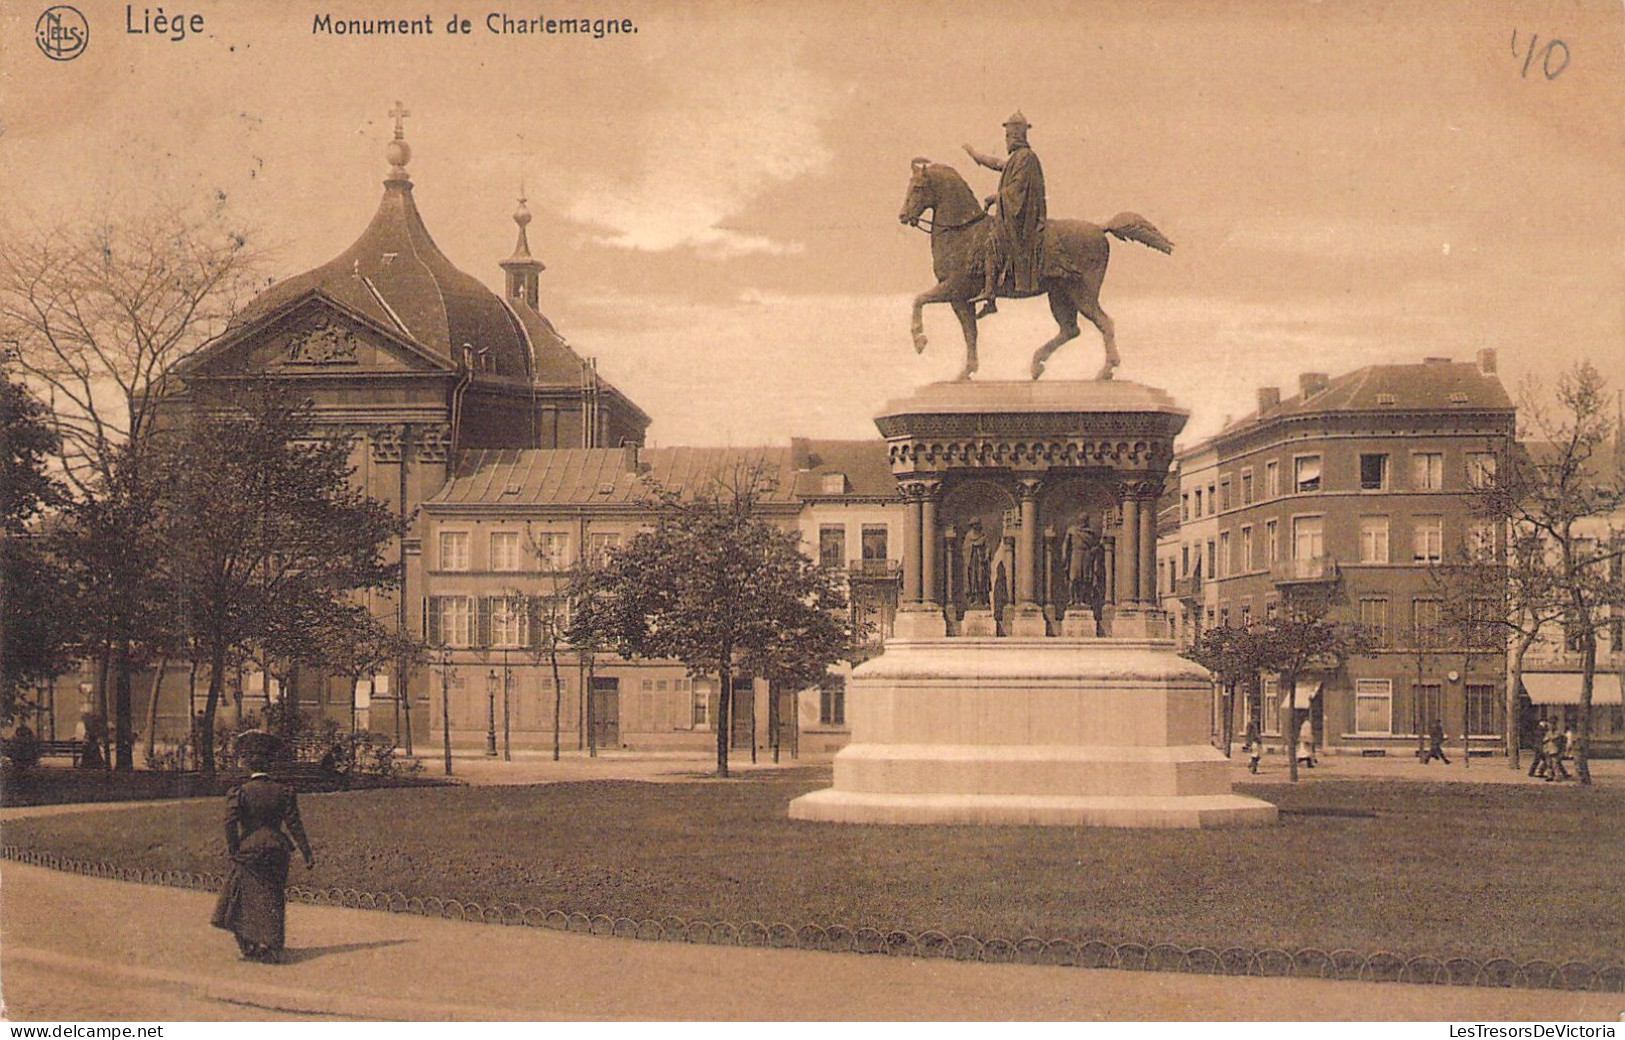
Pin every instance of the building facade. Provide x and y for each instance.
(1354, 490)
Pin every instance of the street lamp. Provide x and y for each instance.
(491, 714)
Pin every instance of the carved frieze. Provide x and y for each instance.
(324, 342)
(386, 444)
(434, 442)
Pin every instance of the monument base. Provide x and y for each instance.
(1047, 731)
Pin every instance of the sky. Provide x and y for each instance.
(716, 195)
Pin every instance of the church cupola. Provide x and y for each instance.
(523, 270)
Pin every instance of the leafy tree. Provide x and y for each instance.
(34, 642)
(721, 589)
(1303, 638)
(1235, 656)
(100, 312)
(1556, 498)
(264, 535)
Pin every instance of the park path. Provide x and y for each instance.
(78, 948)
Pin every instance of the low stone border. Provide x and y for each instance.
(1350, 965)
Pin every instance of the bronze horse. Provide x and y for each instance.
(1073, 268)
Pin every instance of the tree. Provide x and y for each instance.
(100, 312)
(264, 536)
(1556, 498)
(721, 589)
(1235, 656)
(34, 643)
(1303, 638)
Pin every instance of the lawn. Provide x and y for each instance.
(1440, 869)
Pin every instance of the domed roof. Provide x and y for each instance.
(395, 274)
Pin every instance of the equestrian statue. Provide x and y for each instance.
(1009, 247)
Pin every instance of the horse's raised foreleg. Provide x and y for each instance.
(939, 293)
(966, 313)
(1090, 308)
(1066, 320)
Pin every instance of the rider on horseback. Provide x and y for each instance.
(1018, 231)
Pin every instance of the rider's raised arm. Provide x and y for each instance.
(984, 160)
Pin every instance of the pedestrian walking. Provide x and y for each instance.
(1255, 746)
(1538, 766)
(262, 829)
(1551, 748)
(1306, 744)
(1435, 744)
(1562, 751)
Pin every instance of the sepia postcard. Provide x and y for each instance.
(762, 512)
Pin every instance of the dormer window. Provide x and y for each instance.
(1385, 399)
(833, 483)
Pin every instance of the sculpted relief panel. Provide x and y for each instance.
(324, 342)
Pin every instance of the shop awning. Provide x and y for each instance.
(1306, 692)
(1564, 688)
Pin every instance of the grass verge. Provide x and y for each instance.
(1415, 868)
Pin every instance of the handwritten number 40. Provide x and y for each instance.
(1552, 63)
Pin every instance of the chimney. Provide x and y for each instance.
(1486, 361)
(800, 453)
(1269, 399)
(1435, 361)
(1312, 383)
(629, 456)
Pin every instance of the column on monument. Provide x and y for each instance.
(911, 543)
(1027, 544)
(1128, 559)
(1148, 550)
(929, 541)
(1111, 568)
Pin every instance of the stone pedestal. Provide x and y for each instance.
(1024, 727)
(1053, 731)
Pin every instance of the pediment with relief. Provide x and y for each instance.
(314, 337)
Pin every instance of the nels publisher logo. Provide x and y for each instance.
(62, 33)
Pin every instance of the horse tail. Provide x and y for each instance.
(1131, 227)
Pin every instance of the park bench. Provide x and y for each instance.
(71, 748)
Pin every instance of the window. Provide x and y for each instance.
(1429, 539)
(1246, 615)
(1616, 631)
(1212, 559)
(1272, 479)
(504, 550)
(833, 483)
(1185, 560)
(1373, 706)
(553, 550)
(1246, 487)
(1212, 500)
(1224, 617)
(1374, 619)
(449, 621)
(832, 546)
(701, 716)
(1247, 549)
(1306, 473)
(454, 550)
(1272, 542)
(1427, 469)
(1185, 506)
(599, 544)
(1480, 540)
(1373, 539)
(510, 622)
(1480, 470)
(1198, 501)
(1373, 472)
(1425, 622)
(1308, 537)
(1483, 711)
(1270, 690)
(832, 701)
(1429, 706)
(1224, 494)
(1226, 564)
(1271, 608)
(874, 543)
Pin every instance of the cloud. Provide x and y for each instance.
(714, 144)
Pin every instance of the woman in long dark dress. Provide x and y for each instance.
(261, 814)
